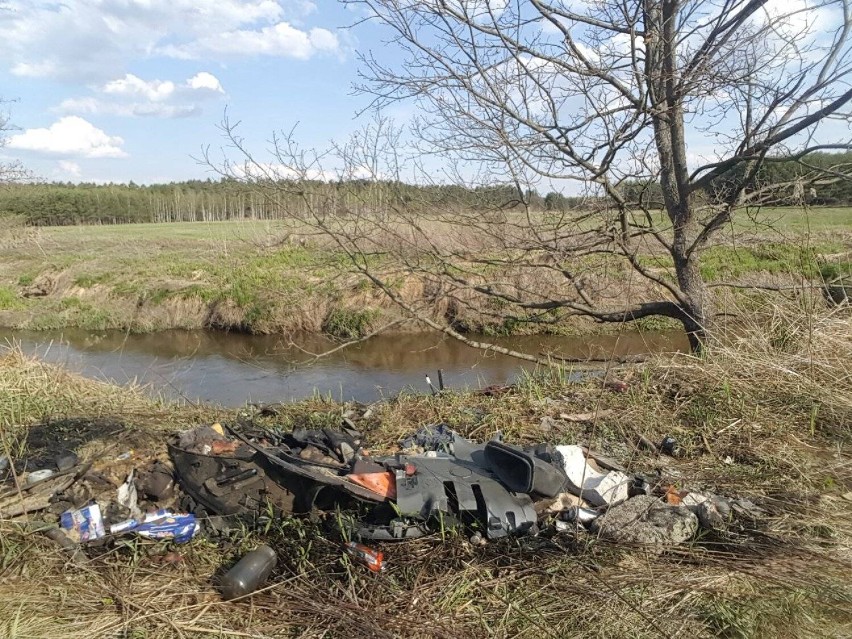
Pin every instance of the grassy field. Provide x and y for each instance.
(768, 418)
(274, 277)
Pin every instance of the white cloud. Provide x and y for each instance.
(71, 169)
(130, 85)
(133, 96)
(70, 136)
(205, 80)
(93, 40)
(281, 39)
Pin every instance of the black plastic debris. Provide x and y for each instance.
(434, 437)
(455, 482)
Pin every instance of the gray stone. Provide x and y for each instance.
(547, 424)
(645, 520)
(66, 461)
(709, 516)
(713, 512)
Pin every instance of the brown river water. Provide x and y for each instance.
(231, 369)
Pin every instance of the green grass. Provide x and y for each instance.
(9, 299)
(818, 219)
(836, 271)
(85, 280)
(217, 233)
(729, 263)
(143, 277)
(725, 263)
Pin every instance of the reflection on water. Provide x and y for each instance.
(231, 369)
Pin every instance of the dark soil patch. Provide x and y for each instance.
(48, 440)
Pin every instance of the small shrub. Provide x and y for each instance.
(832, 271)
(348, 324)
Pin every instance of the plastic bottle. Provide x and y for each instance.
(249, 573)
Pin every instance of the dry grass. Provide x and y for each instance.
(763, 417)
(54, 404)
(270, 277)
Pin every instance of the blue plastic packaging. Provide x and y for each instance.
(84, 524)
(162, 524)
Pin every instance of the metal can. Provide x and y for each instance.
(365, 555)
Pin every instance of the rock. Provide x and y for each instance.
(66, 461)
(599, 489)
(199, 440)
(646, 521)
(219, 447)
(38, 475)
(710, 516)
(346, 452)
(547, 424)
(713, 512)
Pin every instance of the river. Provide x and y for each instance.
(231, 369)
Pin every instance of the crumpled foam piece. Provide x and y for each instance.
(599, 489)
(127, 495)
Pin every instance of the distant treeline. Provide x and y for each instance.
(55, 204)
(790, 179)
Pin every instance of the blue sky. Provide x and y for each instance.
(119, 90)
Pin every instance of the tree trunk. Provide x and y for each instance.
(669, 136)
(696, 303)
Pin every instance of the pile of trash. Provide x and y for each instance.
(217, 474)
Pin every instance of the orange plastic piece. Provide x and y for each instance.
(383, 484)
(224, 447)
(672, 496)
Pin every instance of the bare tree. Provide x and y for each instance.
(10, 171)
(691, 98)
